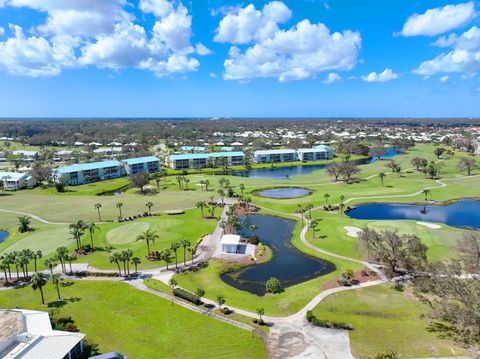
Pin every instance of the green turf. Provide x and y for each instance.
(139, 324)
(46, 239)
(127, 233)
(385, 319)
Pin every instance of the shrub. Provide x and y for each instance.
(181, 293)
(226, 310)
(312, 319)
(60, 187)
(273, 285)
(253, 240)
(70, 327)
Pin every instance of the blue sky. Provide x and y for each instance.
(301, 58)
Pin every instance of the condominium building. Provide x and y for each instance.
(316, 153)
(105, 170)
(13, 181)
(203, 160)
(268, 156)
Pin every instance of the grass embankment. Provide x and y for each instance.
(385, 319)
(139, 324)
(111, 237)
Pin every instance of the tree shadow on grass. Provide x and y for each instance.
(444, 331)
(63, 302)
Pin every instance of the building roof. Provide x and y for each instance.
(311, 150)
(14, 176)
(274, 152)
(87, 166)
(324, 147)
(134, 161)
(193, 148)
(28, 334)
(230, 239)
(193, 156)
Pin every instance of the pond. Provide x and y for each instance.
(284, 193)
(391, 152)
(288, 264)
(463, 213)
(3, 235)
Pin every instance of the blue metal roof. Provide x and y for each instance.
(88, 166)
(134, 161)
(196, 156)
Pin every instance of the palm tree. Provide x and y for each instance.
(62, 254)
(179, 180)
(202, 183)
(70, 258)
(185, 244)
(426, 192)
(167, 256)
(119, 206)
(91, 229)
(326, 196)
(201, 205)
(37, 255)
(149, 206)
(38, 282)
(56, 278)
(342, 207)
(24, 224)
(207, 183)
(260, 312)
(309, 208)
(193, 251)
(77, 230)
(148, 236)
(382, 175)
(186, 181)
(174, 247)
(116, 258)
(220, 301)
(49, 263)
(221, 193)
(242, 189)
(136, 261)
(342, 198)
(4, 267)
(97, 207)
(127, 255)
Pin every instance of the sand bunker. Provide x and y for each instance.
(353, 231)
(429, 225)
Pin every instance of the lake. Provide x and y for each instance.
(463, 213)
(288, 264)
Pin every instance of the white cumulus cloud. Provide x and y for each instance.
(444, 79)
(439, 20)
(80, 33)
(248, 24)
(332, 77)
(301, 52)
(384, 76)
(463, 58)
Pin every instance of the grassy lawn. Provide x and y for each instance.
(139, 324)
(385, 319)
(117, 235)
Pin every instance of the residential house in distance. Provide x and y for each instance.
(13, 181)
(201, 160)
(193, 149)
(105, 170)
(28, 334)
(268, 156)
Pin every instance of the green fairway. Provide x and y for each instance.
(127, 233)
(385, 319)
(46, 239)
(189, 225)
(139, 324)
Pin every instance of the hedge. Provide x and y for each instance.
(178, 292)
(312, 319)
